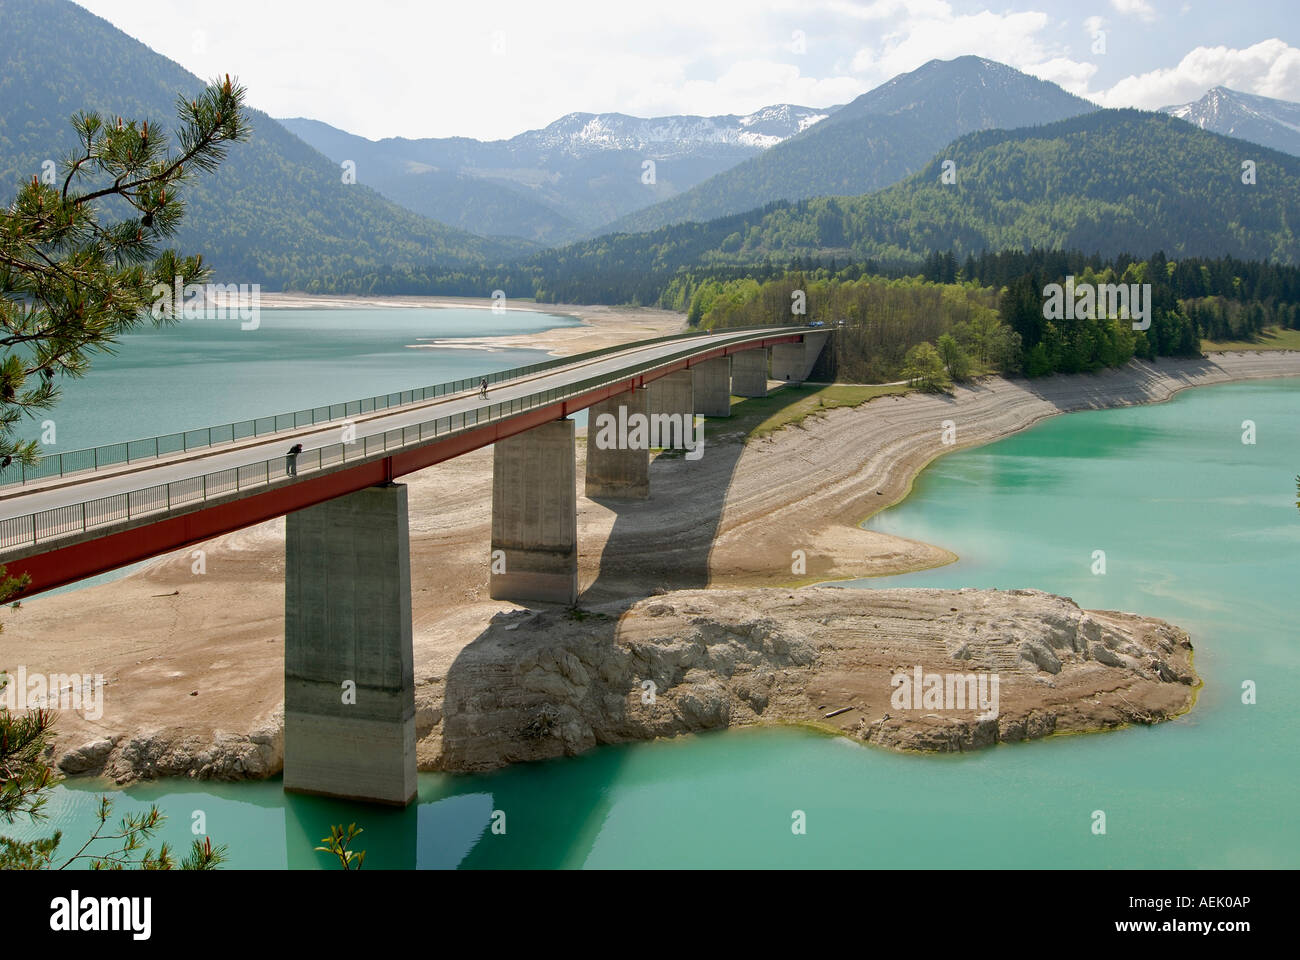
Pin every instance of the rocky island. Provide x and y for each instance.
(538, 684)
(543, 684)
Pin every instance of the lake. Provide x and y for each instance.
(206, 372)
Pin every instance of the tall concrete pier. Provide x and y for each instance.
(749, 373)
(615, 471)
(672, 410)
(713, 387)
(349, 683)
(535, 516)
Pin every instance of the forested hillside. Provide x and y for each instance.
(1110, 182)
(277, 212)
(987, 314)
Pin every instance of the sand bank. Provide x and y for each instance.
(601, 326)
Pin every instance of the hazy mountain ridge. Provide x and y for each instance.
(562, 180)
(579, 133)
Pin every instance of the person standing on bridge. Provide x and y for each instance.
(482, 388)
(291, 460)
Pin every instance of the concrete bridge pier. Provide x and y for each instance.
(349, 681)
(614, 470)
(749, 373)
(535, 516)
(713, 387)
(672, 410)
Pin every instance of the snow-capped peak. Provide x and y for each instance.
(581, 133)
(1247, 116)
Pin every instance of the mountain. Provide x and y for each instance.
(1110, 181)
(873, 141)
(459, 199)
(275, 212)
(1262, 120)
(561, 181)
(665, 137)
(1113, 181)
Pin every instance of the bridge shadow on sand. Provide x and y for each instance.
(555, 811)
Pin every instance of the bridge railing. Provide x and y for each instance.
(75, 518)
(152, 448)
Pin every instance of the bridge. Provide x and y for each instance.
(349, 675)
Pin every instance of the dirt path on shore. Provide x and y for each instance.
(190, 658)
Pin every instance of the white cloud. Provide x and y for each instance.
(417, 69)
(752, 82)
(1134, 8)
(1012, 38)
(1073, 75)
(1270, 68)
(411, 68)
(864, 61)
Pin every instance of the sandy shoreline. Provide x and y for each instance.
(601, 326)
(194, 663)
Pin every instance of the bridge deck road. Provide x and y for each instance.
(93, 485)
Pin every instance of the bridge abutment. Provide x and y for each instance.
(788, 362)
(616, 471)
(349, 683)
(713, 387)
(535, 515)
(749, 373)
(793, 362)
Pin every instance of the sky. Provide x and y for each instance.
(490, 69)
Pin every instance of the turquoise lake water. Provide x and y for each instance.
(206, 372)
(1197, 528)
